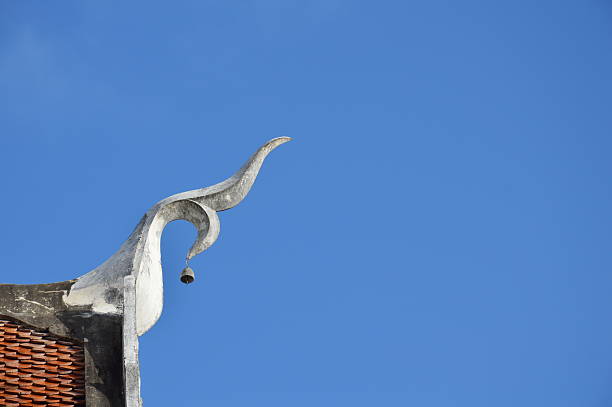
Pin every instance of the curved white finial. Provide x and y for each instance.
(101, 288)
(229, 193)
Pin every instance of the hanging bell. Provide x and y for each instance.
(187, 275)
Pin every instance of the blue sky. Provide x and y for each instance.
(438, 233)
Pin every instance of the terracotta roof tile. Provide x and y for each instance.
(38, 368)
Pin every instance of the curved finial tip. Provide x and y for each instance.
(277, 141)
(286, 138)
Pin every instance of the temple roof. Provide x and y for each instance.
(39, 368)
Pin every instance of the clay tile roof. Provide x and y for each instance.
(38, 368)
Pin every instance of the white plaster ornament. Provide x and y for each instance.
(101, 290)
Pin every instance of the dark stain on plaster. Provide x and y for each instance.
(113, 296)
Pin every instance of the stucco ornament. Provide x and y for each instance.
(101, 290)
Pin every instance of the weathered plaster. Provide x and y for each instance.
(101, 289)
(131, 366)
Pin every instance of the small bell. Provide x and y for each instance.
(187, 275)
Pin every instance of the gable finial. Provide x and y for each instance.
(140, 254)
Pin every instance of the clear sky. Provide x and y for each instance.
(438, 233)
